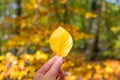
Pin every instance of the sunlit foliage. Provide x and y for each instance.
(24, 38)
(24, 67)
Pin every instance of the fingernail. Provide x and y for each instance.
(56, 57)
(60, 59)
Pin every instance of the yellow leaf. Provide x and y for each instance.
(63, 1)
(2, 58)
(41, 56)
(108, 69)
(1, 77)
(89, 15)
(89, 66)
(61, 42)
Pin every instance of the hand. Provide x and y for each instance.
(51, 70)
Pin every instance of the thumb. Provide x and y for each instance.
(53, 71)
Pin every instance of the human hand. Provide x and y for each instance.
(51, 70)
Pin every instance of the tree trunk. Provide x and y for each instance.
(19, 11)
(95, 26)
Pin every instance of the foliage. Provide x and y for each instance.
(23, 67)
(39, 36)
(26, 25)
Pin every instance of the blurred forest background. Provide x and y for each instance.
(26, 25)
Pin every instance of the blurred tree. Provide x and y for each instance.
(93, 23)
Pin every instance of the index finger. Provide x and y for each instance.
(47, 65)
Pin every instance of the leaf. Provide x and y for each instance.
(61, 42)
(89, 15)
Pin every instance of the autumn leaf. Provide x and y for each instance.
(61, 42)
(89, 15)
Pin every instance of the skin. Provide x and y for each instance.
(51, 70)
